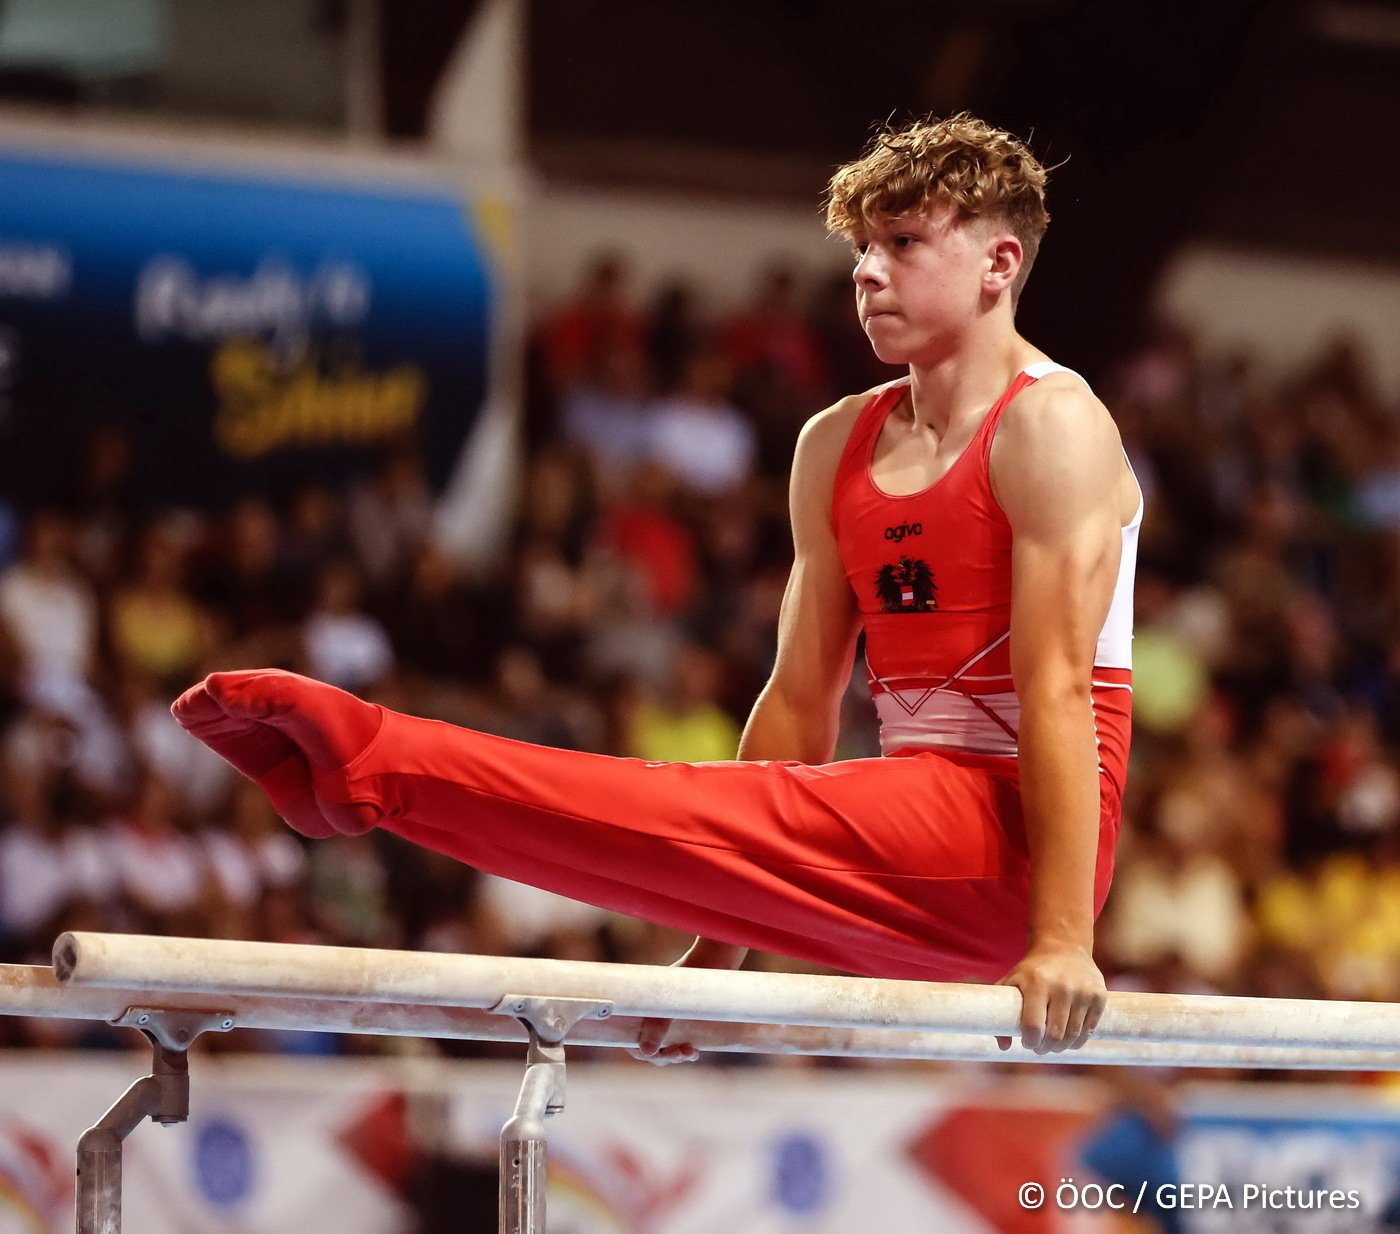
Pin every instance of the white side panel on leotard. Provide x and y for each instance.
(1115, 648)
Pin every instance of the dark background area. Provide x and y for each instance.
(1262, 123)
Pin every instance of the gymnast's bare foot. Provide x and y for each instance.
(293, 737)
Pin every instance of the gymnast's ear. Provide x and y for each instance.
(1004, 259)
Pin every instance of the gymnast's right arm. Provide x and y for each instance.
(797, 715)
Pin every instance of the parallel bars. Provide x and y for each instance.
(172, 989)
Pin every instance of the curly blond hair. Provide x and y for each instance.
(985, 172)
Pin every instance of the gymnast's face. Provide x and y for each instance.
(924, 280)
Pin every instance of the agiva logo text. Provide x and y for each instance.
(904, 529)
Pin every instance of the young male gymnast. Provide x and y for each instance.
(978, 520)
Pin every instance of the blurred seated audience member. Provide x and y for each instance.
(630, 639)
(1206, 795)
(201, 777)
(390, 516)
(699, 435)
(557, 502)
(687, 725)
(527, 917)
(424, 887)
(608, 417)
(1378, 494)
(285, 915)
(343, 644)
(619, 694)
(1344, 912)
(156, 627)
(46, 605)
(675, 332)
(464, 925)
(46, 860)
(1315, 653)
(11, 534)
(349, 893)
(441, 626)
(314, 533)
(160, 867)
(1174, 898)
(1344, 368)
(1256, 575)
(104, 501)
(1159, 374)
(1171, 678)
(556, 603)
(1168, 974)
(576, 335)
(526, 707)
(844, 348)
(10, 702)
(777, 412)
(1383, 688)
(731, 544)
(1359, 783)
(1273, 971)
(643, 531)
(252, 851)
(772, 333)
(68, 729)
(235, 571)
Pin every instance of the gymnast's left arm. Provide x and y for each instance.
(1055, 468)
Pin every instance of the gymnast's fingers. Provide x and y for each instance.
(1034, 1011)
(652, 1046)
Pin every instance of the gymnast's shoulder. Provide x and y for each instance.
(823, 438)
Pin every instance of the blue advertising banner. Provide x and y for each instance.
(1231, 1164)
(241, 329)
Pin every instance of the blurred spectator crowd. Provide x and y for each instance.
(635, 614)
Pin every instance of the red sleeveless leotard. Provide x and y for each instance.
(931, 573)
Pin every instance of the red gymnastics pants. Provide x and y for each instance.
(910, 866)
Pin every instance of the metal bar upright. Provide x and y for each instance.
(164, 1095)
(524, 1149)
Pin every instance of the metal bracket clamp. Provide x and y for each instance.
(174, 1030)
(551, 1019)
